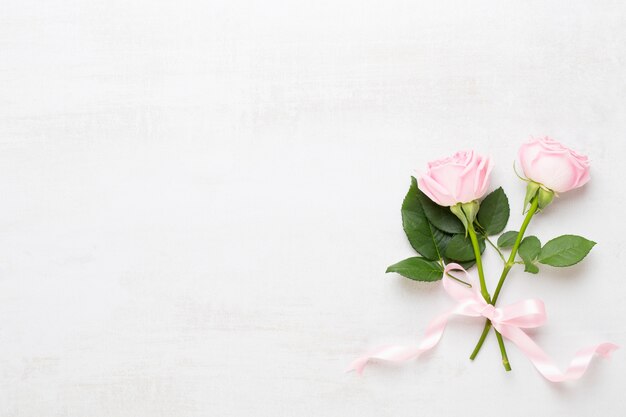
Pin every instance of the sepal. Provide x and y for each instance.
(531, 191)
(544, 197)
(457, 210)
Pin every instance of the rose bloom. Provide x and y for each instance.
(550, 163)
(461, 178)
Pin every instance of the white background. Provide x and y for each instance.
(199, 200)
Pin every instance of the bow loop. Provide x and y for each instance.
(526, 314)
(458, 291)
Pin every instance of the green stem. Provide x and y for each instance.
(531, 212)
(479, 262)
(505, 358)
(484, 292)
(505, 272)
(482, 339)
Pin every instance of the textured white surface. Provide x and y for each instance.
(199, 200)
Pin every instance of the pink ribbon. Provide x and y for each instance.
(509, 321)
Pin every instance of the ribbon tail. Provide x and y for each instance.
(545, 365)
(399, 353)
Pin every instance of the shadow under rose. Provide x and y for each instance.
(570, 273)
(417, 288)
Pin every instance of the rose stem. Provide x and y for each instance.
(507, 267)
(483, 290)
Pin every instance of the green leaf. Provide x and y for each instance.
(494, 212)
(529, 249)
(427, 240)
(565, 250)
(418, 269)
(460, 248)
(440, 217)
(530, 267)
(468, 264)
(507, 239)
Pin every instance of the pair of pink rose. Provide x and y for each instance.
(464, 177)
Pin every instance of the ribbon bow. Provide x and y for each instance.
(509, 321)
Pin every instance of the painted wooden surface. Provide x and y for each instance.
(200, 198)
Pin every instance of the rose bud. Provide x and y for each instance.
(552, 168)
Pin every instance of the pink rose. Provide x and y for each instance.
(557, 167)
(461, 178)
